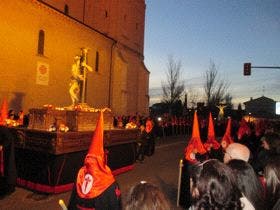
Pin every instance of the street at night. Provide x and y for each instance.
(160, 169)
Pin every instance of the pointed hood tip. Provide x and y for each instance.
(96, 146)
(195, 145)
(211, 139)
(227, 138)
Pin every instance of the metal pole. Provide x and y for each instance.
(84, 85)
(83, 64)
(265, 67)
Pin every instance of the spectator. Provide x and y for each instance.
(237, 151)
(12, 114)
(146, 196)
(271, 142)
(269, 148)
(141, 144)
(248, 183)
(213, 186)
(8, 172)
(272, 177)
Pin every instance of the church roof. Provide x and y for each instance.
(259, 100)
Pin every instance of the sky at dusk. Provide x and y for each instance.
(225, 32)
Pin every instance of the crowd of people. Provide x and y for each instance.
(226, 165)
(232, 172)
(239, 171)
(147, 136)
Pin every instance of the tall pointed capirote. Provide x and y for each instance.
(4, 111)
(195, 145)
(227, 138)
(95, 176)
(211, 139)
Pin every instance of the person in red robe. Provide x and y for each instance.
(95, 187)
(227, 138)
(149, 125)
(195, 153)
(212, 145)
(4, 112)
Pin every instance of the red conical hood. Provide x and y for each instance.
(95, 176)
(211, 130)
(211, 139)
(195, 129)
(149, 125)
(195, 145)
(4, 111)
(227, 138)
(243, 129)
(96, 146)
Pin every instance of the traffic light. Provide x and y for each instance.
(247, 69)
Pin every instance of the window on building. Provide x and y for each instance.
(136, 26)
(96, 61)
(41, 41)
(66, 9)
(106, 13)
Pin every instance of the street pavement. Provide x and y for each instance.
(160, 169)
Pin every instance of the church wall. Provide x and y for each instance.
(130, 80)
(119, 84)
(143, 89)
(63, 40)
(123, 20)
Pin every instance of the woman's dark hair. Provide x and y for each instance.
(216, 187)
(146, 196)
(273, 141)
(248, 182)
(272, 177)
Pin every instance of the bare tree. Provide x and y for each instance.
(228, 100)
(215, 89)
(192, 97)
(174, 87)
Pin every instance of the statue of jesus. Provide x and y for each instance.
(78, 79)
(221, 111)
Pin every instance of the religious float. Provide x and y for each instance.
(50, 151)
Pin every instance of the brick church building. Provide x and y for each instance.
(40, 38)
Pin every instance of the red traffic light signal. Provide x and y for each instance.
(247, 69)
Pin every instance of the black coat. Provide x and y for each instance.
(8, 180)
(109, 200)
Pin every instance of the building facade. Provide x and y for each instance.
(261, 107)
(39, 40)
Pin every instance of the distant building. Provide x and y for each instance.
(39, 40)
(261, 107)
